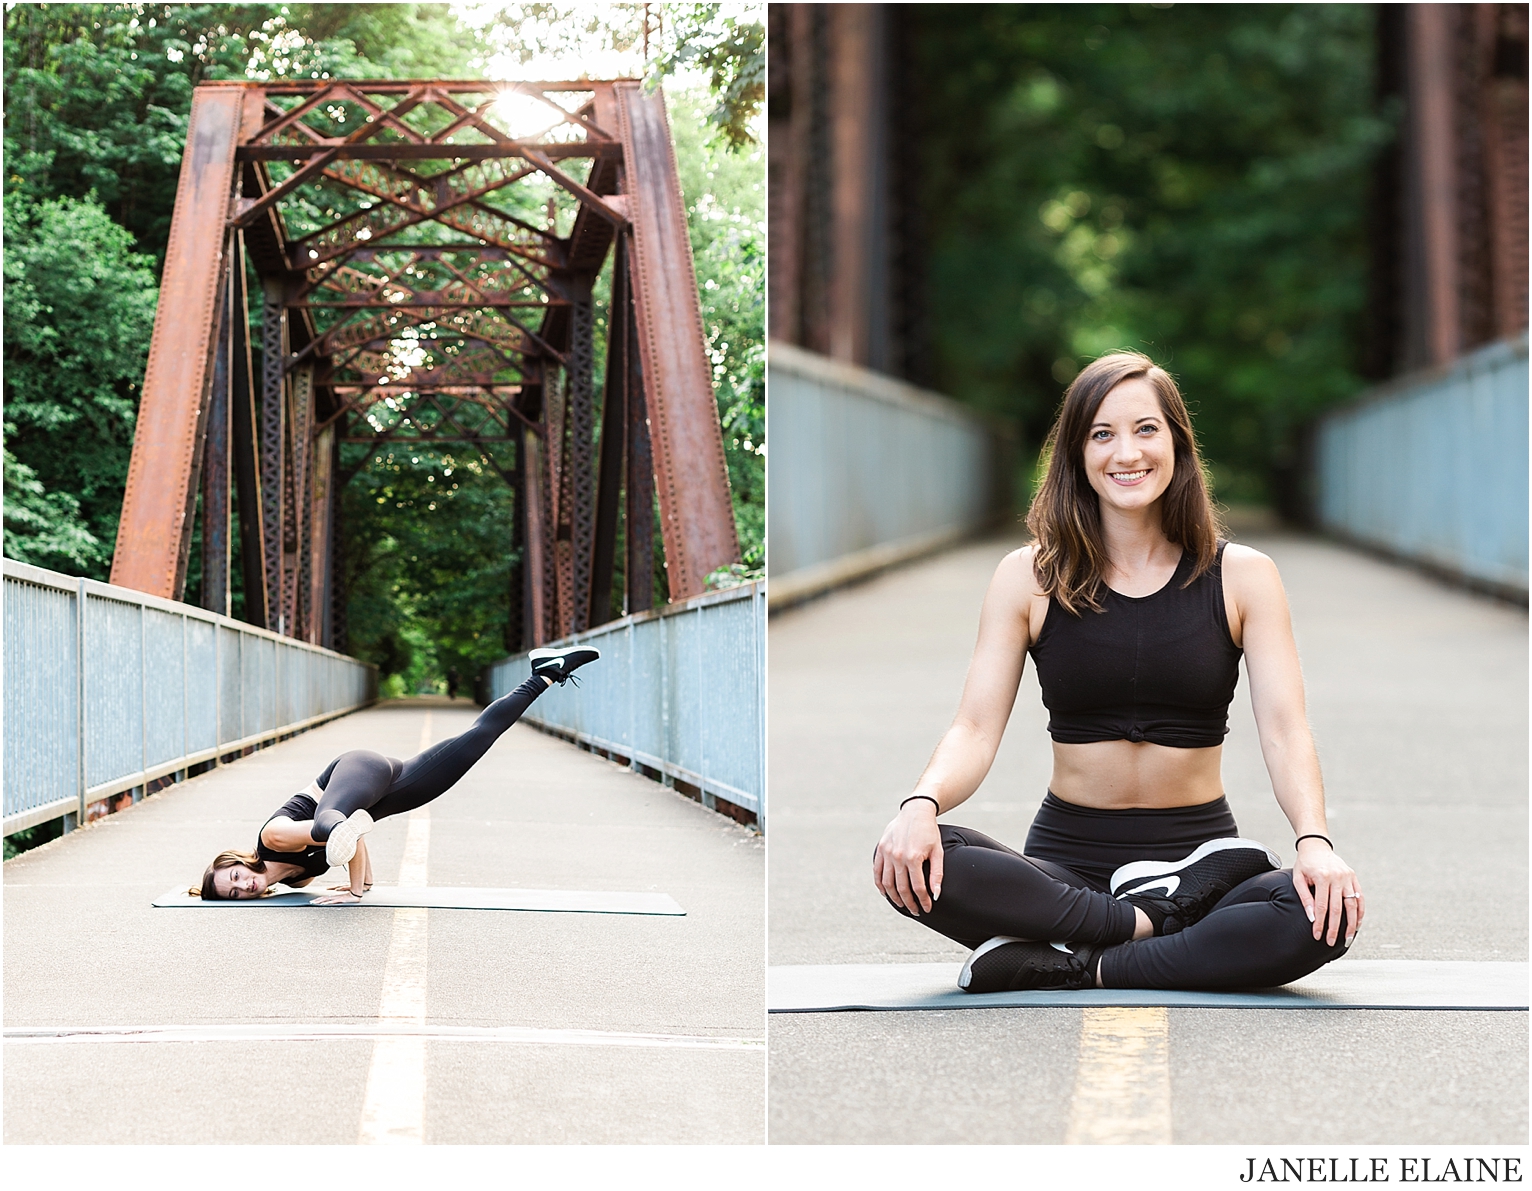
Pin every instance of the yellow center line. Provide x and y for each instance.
(1122, 1087)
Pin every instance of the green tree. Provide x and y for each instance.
(724, 43)
(97, 101)
(1186, 180)
(97, 96)
(45, 528)
(732, 52)
(79, 307)
(428, 561)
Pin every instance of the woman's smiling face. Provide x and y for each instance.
(1129, 452)
(237, 882)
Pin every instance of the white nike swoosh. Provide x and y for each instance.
(1064, 947)
(1168, 884)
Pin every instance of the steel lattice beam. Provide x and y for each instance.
(696, 513)
(409, 295)
(154, 531)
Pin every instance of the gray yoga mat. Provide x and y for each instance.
(1345, 984)
(557, 901)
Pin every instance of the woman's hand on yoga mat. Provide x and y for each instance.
(344, 898)
(1324, 883)
(898, 866)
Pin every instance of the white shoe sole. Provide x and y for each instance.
(1162, 868)
(965, 977)
(341, 846)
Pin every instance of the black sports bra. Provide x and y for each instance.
(299, 808)
(1160, 667)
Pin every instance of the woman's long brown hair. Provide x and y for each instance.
(225, 859)
(1065, 517)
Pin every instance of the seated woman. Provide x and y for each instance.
(1136, 613)
(324, 825)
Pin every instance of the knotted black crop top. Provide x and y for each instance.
(299, 808)
(1160, 667)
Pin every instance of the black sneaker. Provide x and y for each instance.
(559, 664)
(1005, 964)
(1177, 893)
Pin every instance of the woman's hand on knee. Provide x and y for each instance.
(909, 843)
(1329, 890)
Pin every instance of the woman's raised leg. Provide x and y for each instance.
(989, 890)
(435, 771)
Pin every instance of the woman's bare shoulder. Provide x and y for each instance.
(1247, 560)
(1249, 573)
(1018, 571)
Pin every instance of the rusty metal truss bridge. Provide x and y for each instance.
(399, 263)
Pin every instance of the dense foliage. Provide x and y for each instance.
(733, 53)
(1189, 180)
(621, 39)
(79, 305)
(97, 98)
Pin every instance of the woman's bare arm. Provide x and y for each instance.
(288, 835)
(967, 749)
(360, 869)
(1321, 878)
(358, 880)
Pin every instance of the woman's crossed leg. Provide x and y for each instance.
(1257, 935)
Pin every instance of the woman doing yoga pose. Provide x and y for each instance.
(1136, 614)
(324, 825)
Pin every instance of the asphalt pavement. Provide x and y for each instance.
(532, 1027)
(1417, 693)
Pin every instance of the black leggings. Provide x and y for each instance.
(382, 786)
(1257, 936)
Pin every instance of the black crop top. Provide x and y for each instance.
(1160, 667)
(299, 808)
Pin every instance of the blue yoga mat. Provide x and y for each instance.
(554, 901)
(1345, 984)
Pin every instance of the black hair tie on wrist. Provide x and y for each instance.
(1314, 835)
(927, 797)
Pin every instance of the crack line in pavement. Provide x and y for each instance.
(394, 1108)
(1122, 1086)
(320, 1032)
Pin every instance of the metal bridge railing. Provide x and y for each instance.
(163, 686)
(866, 471)
(679, 691)
(1433, 468)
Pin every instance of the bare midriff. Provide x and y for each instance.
(1113, 775)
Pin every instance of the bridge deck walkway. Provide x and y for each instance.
(83, 947)
(1417, 693)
